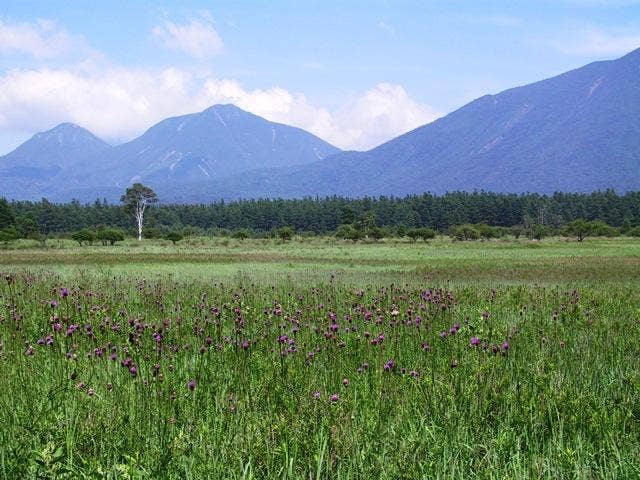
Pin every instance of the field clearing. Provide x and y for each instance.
(503, 262)
(321, 359)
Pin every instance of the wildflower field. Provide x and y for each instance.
(321, 359)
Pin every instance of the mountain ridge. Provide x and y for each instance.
(578, 131)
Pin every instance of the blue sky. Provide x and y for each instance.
(354, 72)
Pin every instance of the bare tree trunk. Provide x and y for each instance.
(139, 217)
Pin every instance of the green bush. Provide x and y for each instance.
(634, 232)
(421, 232)
(174, 236)
(242, 233)
(464, 232)
(8, 234)
(349, 232)
(84, 236)
(285, 233)
(581, 229)
(109, 236)
(152, 232)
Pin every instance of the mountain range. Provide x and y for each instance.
(579, 131)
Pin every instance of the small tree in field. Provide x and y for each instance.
(285, 233)
(136, 199)
(174, 236)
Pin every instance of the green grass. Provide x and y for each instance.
(563, 401)
(442, 261)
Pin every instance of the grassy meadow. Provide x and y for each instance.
(317, 358)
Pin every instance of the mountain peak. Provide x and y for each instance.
(225, 107)
(67, 126)
(66, 131)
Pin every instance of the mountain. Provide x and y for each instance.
(222, 140)
(44, 156)
(579, 131)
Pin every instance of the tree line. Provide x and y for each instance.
(527, 212)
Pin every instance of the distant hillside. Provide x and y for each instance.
(576, 132)
(36, 162)
(221, 141)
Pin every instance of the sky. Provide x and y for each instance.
(356, 73)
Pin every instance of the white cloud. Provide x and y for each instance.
(42, 39)
(120, 103)
(381, 113)
(198, 38)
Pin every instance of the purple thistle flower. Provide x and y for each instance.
(505, 346)
(191, 385)
(316, 394)
(53, 304)
(64, 292)
(345, 382)
(475, 341)
(133, 371)
(334, 398)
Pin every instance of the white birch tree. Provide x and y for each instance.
(136, 199)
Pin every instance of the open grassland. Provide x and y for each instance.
(550, 261)
(321, 359)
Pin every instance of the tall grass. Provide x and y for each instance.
(127, 377)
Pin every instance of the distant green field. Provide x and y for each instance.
(320, 359)
(441, 261)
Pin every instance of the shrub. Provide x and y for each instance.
(464, 232)
(174, 236)
(486, 231)
(285, 233)
(581, 229)
(241, 233)
(109, 236)
(413, 233)
(427, 233)
(376, 233)
(422, 232)
(348, 232)
(634, 232)
(84, 236)
(538, 232)
(8, 234)
(151, 232)
(516, 231)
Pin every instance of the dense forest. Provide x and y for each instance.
(325, 215)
